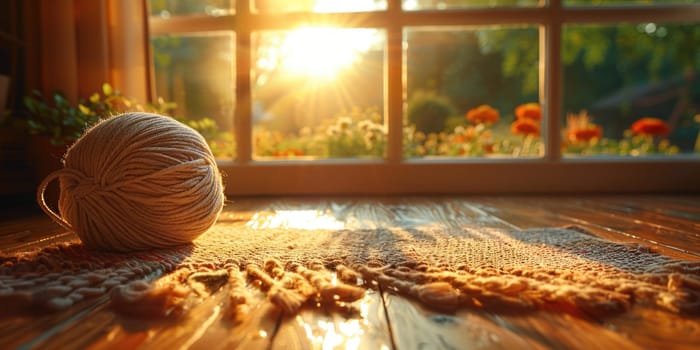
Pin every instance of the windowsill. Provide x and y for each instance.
(449, 176)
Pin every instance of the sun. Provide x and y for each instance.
(322, 52)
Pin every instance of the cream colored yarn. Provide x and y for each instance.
(137, 181)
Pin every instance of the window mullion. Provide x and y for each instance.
(551, 77)
(243, 114)
(394, 83)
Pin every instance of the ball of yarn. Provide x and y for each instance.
(137, 181)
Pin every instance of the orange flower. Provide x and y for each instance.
(289, 152)
(579, 128)
(294, 152)
(525, 127)
(651, 127)
(531, 111)
(483, 114)
(585, 134)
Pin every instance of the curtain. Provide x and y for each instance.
(77, 45)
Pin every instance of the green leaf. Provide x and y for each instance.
(59, 99)
(84, 109)
(31, 104)
(107, 89)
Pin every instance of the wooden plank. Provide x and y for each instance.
(654, 210)
(33, 230)
(689, 203)
(205, 325)
(656, 329)
(416, 327)
(361, 325)
(94, 324)
(683, 240)
(391, 320)
(304, 332)
(528, 215)
(642, 327)
(28, 331)
(564, 210)
(654, 221)
(561, 331)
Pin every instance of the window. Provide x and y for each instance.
(419, 96)
(305, 95)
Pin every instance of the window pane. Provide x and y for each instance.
(277, 6)
(456, 4)
(627, 2)
(631, 89)
(170, 8)
(318, 92)
(472, 92)
(196, 73)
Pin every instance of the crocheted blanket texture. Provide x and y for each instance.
(563, 269)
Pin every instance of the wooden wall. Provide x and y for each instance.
(15, 178)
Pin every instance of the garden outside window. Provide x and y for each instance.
(418, 96)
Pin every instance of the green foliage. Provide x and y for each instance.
(612, 68)
(428, 111)
(650, 48)
(660, 46)
(470, 141)
(469, 66)
(221, 143)
(629, 145)
(56, 117)
(64, 121)
(163, 49)
(591, 43)
(432, 4)
(519, 51)
(455, 122)
(190, 7)
(347, 138)
(356, 133)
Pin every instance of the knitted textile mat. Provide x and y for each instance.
(563, 269)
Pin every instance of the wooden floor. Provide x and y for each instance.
(671, 224)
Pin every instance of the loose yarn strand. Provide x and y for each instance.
(42, 201)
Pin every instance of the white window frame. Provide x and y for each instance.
(397, 175)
